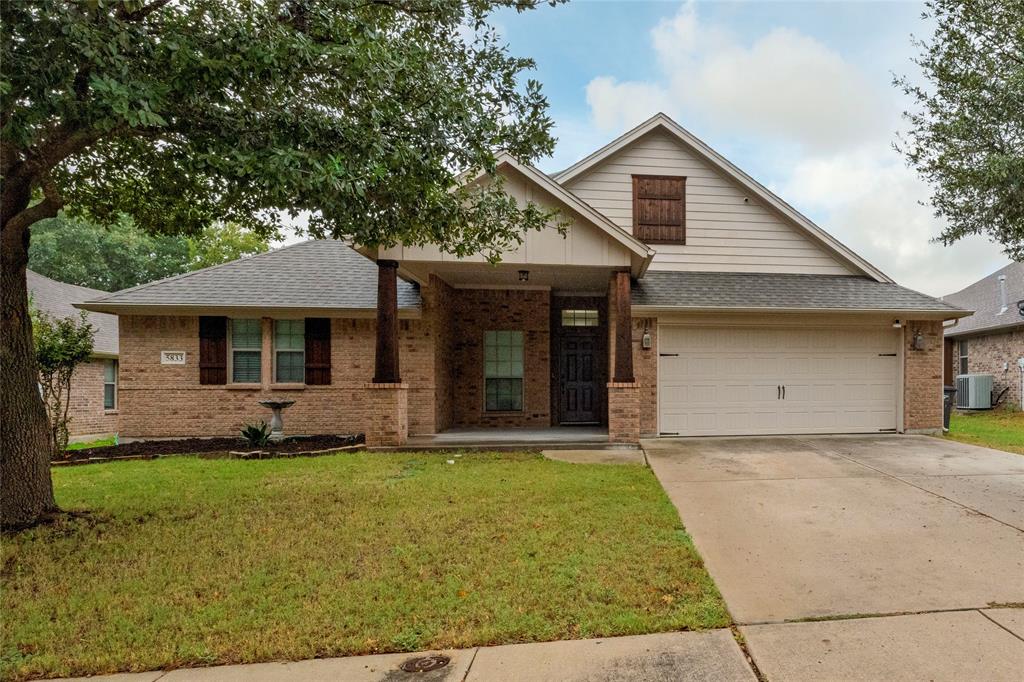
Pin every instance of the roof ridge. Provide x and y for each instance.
(208, 268)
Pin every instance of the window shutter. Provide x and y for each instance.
(213, 350)
(659, 209)
(318, 351)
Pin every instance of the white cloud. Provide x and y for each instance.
(785, 90)
(621, 105)
(872, 204)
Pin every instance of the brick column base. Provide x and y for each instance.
(387, 414)
(623, 412)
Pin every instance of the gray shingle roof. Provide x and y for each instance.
(751, 290)
(985, 299)
(325, 274)
(58, 299)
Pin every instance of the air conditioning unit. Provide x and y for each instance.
(974, 391)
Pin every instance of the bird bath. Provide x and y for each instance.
(276, 421)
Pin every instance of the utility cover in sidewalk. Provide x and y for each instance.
(422, 664)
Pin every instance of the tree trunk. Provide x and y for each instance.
(27, 491)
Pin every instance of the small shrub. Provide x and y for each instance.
(256, 435)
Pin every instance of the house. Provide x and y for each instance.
(93, 402)
(683, 299)
(992, 340)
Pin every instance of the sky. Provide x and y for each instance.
(797, 94)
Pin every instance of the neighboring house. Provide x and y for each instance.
(93, 407)
(992, 340)
(684, 298)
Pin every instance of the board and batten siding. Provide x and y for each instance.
(724, 232)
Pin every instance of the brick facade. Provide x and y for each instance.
(922, 381)
(89, 419)
(623, 412)
(995, 354)
(168, 400)
(441, 359)
(479, 310)
(386, 420)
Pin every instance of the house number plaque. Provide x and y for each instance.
(172, 357)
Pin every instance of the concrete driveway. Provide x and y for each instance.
(809, 527)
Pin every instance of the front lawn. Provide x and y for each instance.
(999, 429)
(186, 561)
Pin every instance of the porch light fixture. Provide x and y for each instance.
(524, 275)
(918, 342)
(896, 324)
(646, 342)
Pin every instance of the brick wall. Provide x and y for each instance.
(168, 400)
(88, 418)
(478, 310)
(922, 382)
(988, 354)
(439, 307)
(624, 408)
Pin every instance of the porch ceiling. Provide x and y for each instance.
(558, 278)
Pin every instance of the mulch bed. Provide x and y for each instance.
(146, 449)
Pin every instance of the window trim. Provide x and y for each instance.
(636, 199)
(274, 350)
(521, 378)
(231, 352)
(963, 356)
(112, 362)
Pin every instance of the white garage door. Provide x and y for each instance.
(758, 380)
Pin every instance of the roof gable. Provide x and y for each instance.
(804, 227)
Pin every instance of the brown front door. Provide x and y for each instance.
(580, 397)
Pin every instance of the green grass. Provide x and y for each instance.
(103, 442)
(999, 429)
(188, 562)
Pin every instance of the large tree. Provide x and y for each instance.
(966, 136)
(180, 113)
(121, 254)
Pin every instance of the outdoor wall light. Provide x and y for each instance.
(646, 342)
(918, 341)
(896, 324)
(524, 275)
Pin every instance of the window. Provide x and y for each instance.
(246, 351)
(110, 384)
(503, 371)
(290, 351)
(963, 356)
(659, 209)
(579, 318)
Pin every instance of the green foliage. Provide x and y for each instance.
(121, 255)
(186, 561)
(256, 435)
(181, 114)
(966, 136)
(61, 345)
(1002, 429)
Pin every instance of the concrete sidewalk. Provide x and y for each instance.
(670, 656)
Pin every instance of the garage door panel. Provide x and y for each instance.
(725, 380)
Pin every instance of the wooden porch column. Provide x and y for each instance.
(385, 369)
(623, 330)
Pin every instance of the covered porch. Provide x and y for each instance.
(542, 339)
(539, 364)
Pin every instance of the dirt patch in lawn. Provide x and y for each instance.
(212, 446)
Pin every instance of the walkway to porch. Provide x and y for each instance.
(556, 437)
